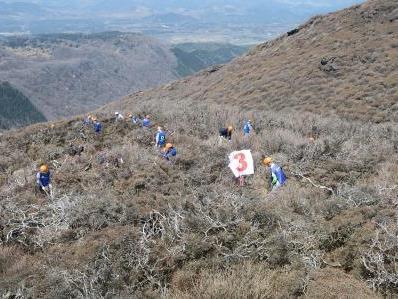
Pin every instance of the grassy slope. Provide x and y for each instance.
(16, 109)
(145, 227)
(188, 64)
(194, 57)
(286, 74)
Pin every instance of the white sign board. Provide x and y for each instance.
(241, 163)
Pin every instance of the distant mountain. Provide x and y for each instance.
(170, 19)
(254, 11)
(193, 57)
(15, 108)
(69, 74)
(228, 7)
(66, 74)
(169, 11)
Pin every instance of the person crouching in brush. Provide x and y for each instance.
(277, 175)
(169, 151)
(226, 133)
(43, 180)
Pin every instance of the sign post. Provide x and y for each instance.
(241, 164)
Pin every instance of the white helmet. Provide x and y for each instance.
(116, 113)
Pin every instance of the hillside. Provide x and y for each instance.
(16, 109)
(66, 74)
(341, 64)
(124, 223)
(193, 57)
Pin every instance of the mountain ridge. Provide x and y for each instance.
(71, 73)
(326, 69)
(66, 74)
(196, 57)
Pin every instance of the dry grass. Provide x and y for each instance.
(243, 280)
(333, 283)
(286, 74)
(192, 210)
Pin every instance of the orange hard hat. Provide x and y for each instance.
(267, 161)
(44, 168)
(168, 146)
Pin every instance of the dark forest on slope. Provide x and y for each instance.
(16, 109)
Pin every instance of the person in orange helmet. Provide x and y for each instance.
(43, 179)
(169, 151)
(277, 175)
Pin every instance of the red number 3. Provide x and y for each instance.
(242, 162)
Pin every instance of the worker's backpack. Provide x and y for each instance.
(173, 152)
(280, 174)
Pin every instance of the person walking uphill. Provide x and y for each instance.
(118, 117)
(146, 122)
(226, 133)
(134, 119)
(160, 138)
(87, 120)
(247, 128)
(278, 177)
(97, 126)
(43, 180)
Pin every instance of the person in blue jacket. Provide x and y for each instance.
(247, 128)
(146, 122)
(160, 138)
(97, 126)
(87, 120)
(278, 177)
(169, 151)
(43, 179)
(134, 119)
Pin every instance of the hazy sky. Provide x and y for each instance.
(47, 16)
(142, 8)
(189, 4)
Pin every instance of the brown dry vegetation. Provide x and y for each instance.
(146, 228)
(358, 80)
